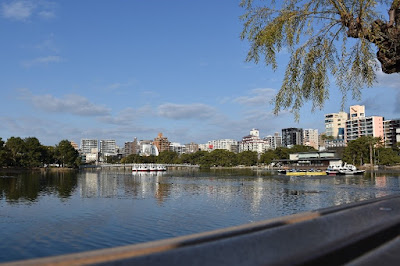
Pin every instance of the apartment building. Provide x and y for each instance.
(292, 136)
(335, 124)
(389, 129)
(161, 143)
(364, 126)
(274, 141)
(131, 147)
(311, 138)
(223, 144)
(253, 142)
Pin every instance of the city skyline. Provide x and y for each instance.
(119, 70)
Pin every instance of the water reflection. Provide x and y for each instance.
(103, 208)
(29, 186)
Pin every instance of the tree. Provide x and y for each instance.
(317, 34)
(170, 157)
(3, 154)
(248, 158)
(360, 150)
(34, 153)
(16, 148)
(66, 154)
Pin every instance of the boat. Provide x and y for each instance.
(143, 167)
(294, 172)
(346, 169)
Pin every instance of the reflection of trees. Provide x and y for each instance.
(28, 186)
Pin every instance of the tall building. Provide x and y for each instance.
(253, 142)
(274, 141)
(292, 136)
(359, 125)
(108, 146)
(161, 143)
(177, 147)
(311, 138)
(357, 112)
(335, 124)
(75, 145)
(389, 129)
(87, 145)
(131, 147)
(192, 147)
(223, 144)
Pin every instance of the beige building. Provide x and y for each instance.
(335, 124)
(311, 138)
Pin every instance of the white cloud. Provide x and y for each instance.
(258, 97)
(127, 116)
(43, 61)
(186, 111)
(23, 10)
(387, 80)
(71, 104)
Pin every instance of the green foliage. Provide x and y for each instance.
(248, 158)
(387, 156)
(168, 157)
(16, 149)
(223, 158)
(65, 154)
(315, 33)
(360, 151)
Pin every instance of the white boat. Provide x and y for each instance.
(346, 169)
(143, 167)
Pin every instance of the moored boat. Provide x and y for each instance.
(346, 169)
(143, 167)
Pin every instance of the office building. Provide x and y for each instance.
(87, 145)
(292, 136)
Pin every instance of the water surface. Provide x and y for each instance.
(44, 214)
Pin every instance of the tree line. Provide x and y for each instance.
(30, 153)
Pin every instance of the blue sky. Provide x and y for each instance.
(124, 69)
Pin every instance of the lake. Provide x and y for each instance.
(53, 213)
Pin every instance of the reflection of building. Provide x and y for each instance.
(274, 141)
(292, 136)
(253, 142)
(161, 143)
(389, 129)
(310, 138)
(223, 144)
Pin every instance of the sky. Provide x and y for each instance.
(123, 69)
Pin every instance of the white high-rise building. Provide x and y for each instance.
(108, 146)
(274, 141)
(253, 142)
(223, 144)
(87, 145)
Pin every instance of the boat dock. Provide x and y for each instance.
(360, 233)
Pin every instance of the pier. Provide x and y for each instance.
(360, 233)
